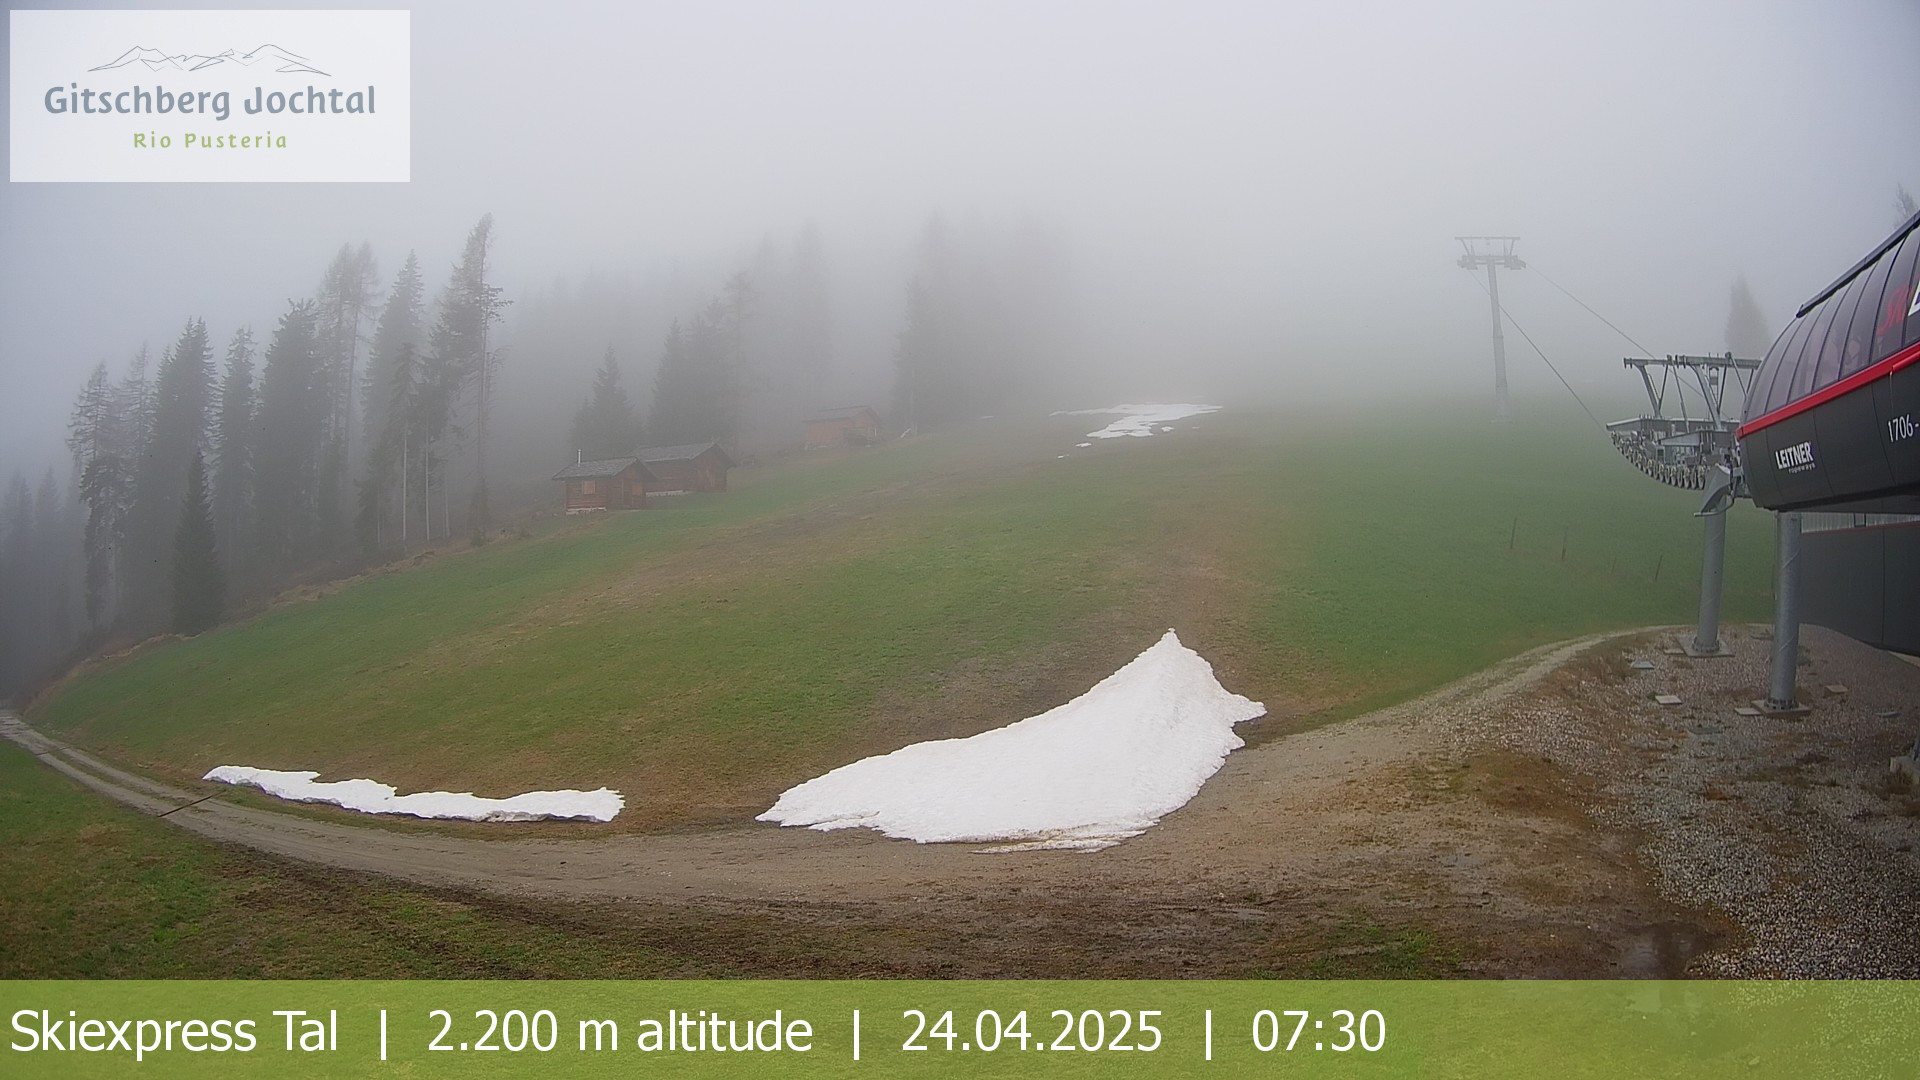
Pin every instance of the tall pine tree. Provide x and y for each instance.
(294, 412)
(1747, 333)
(461, 345)
(199, 590)
(399, 324)
(390, 377)
(98, 438)
(605, 426)
(697, 391)
(182, 394)
(341, 307)
(233, 432)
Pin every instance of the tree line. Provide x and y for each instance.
(198, 481)
(225, 470)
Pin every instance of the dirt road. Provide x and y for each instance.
(1525, 816)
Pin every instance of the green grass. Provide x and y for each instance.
(706, 657)
(93, 890)
(1434, 551)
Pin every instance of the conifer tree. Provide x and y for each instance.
(233, 431)
(181, 395)
(341, 307)
(199, 589)
(399, 324)
(294, 411)
(97, 437)
(17, 587)
(697, 391)
(606, 426)
(461, 346)
(1747, 333)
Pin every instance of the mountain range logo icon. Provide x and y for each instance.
(282, 61)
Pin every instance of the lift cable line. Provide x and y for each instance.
(1528, 338)
(1644, 351)
(1710, 372)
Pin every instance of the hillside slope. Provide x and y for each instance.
(703, 658)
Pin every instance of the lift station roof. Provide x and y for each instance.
(1833, 418)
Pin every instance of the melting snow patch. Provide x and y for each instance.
(1138, 421)
(1085, 775)
(372, 797)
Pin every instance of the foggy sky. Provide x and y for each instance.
(1249, 192)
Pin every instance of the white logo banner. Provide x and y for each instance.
(201, 96)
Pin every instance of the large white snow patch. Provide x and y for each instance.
(372, 797)
(1086, 775)
(1138, 421)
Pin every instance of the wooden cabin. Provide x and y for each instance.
(856, 425)
(690, 467)
(613, 484)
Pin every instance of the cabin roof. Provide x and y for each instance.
(593, 470)
(683, 452)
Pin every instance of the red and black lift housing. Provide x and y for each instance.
(1832, 420)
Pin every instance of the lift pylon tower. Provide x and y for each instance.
(1694, 450)
(1494, 252)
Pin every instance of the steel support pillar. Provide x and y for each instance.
(1781, 696)
(1502, 413)
(1706, 639)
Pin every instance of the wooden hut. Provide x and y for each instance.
(613, 484)
(688, 467)
(856, 425)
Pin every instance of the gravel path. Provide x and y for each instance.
(1790, 826)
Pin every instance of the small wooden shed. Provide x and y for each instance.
(688, 467)
(855, 425)
(613, 484)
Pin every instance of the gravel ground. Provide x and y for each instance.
(1791, 826)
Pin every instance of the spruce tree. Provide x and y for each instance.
(460, 343)
(697, 391)
(606, 426)
(17, 586)
(292, 429)
(199, 590)
(398, 325)
(1747, 333)
(341, 306)
(181, 395)
(97, 436)
(232, 440)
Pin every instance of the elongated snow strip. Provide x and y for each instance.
(372, 797)
(1103, 767)
(1139, 421)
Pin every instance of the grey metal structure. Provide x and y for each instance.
(1720, 496)
(1494, 252)
(1682, 450)
(1781, 693)
(1696, 450)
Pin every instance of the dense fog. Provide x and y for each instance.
(943, 211)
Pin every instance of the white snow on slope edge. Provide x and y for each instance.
(1138, 421)
(1085, 775)
(372, 797)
